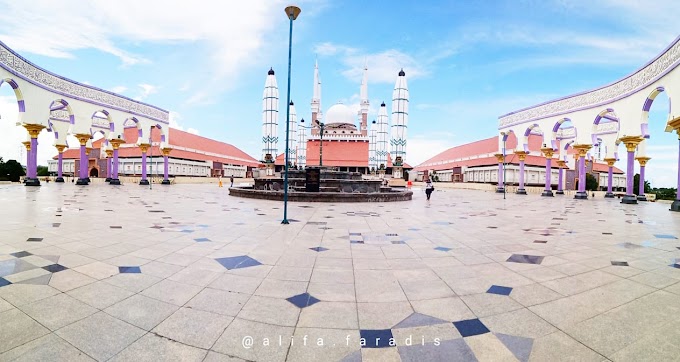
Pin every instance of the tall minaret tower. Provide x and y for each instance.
(302, 145)
(316, 101)
(270, 121)
(381, 139)
(292, 128)
(399, 124)
(364, 103)
(372, 139)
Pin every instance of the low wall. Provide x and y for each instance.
(322, 196)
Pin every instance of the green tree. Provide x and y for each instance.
(11, 170)
(591, 182)
(42, 171)
(636, 184)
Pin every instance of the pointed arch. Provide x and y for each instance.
(644, 120)
(17, 92)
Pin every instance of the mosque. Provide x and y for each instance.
(333, 139)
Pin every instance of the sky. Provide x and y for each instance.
(467, 62)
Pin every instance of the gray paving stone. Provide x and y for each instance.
(156, 348)
(100, 335)
(194, 327)
(17, 329)
(141, 311)
(451, 350)
(47, 348)
(58, 311)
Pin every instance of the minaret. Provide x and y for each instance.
(399, 124)
(364, 103)
(302, 146)
(270, 121)
(381, 138)
(292, 129)
(316, 100)
(372, 138)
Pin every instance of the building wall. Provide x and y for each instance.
(133, 166)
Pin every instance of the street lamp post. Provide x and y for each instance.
(151, 155)
(504, 168)
(292, 13)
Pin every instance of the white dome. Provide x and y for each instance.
(339, 113)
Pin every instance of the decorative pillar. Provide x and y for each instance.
(109, 164)
(582, 150)
(60, 163)
(32, 159)
(115, 143)
(610, 177)
(501, 159)
(166, 153)
(144, 147)
(675, 206)
(641, 193)
(548, 152)
(522, 156)
(560, 178)
(27, 144)
(631, 143)
(88, 151)
(82, 174)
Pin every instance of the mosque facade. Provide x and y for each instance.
(339, 138)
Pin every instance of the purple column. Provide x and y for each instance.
(83, 162)
(559, 181)
(28, 159)
(610, 179)
(144, 166)
(60, 161)
(115, 164)
(165, 168)
(33, 170)
(500, 175)
(630, 170)
(548, 173)
(677, 193)
(521, 174)
(582, 174)
(641, 189)
(109, 168)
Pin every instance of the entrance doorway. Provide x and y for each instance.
(94, 172)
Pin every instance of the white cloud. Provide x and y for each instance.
(174, 118)
(146, 90)
(39, 27)
(421, 147)
(383, 66)
(119, 89)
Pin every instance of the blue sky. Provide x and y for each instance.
(467, 62)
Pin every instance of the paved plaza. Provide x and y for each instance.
(189, 273)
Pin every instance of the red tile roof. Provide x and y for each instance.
(185, 146)
(479, 153)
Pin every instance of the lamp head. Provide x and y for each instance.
(292, 12)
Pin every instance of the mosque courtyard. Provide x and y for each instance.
(187, 272)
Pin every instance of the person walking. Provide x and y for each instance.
(219, 181)
(231, 179)
(429, 187)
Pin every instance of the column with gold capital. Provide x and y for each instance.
(548, 152)
(144, 147)
(115, 143)
(32, 166)
(560, 178)
(501, 159)
(522, 155)
(610, 177)
(27, 144)
(166, 154)
(109, 164)
(82, 174)
(674, 125)
(642, 160)
(60, 163)
(631, 143)
(582, 150)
